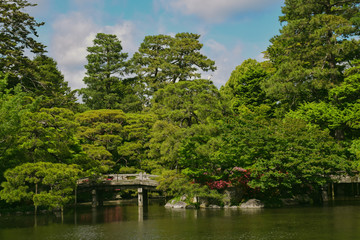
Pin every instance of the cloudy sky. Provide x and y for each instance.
(231, 30)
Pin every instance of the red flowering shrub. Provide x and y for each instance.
(219, 185)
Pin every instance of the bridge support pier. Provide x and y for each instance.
(94, 198)
(142, 197)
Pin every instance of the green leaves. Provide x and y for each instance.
(188, 102)
(163, 59)
(18, 33)
(244, 85)
(48, 135)
(45, 184)
(299, 158)
(106, 88)
(312, 50)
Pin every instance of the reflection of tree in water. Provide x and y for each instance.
(113, 214)
(106, 215)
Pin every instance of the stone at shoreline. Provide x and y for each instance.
(231, 207)
(252, 203)
(176, 204)
(213, 206)
(180, 204)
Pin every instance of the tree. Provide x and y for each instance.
(163, 59)
(52, 87)
(299, 159)
(340, 113)
(136, 136)
(101, 133)
(184, 109)
(18, 32)
(106, 88)
(188, 102)
(316, 43)
(45, 184)
(13, 105)
(244, 85)
(48, 135)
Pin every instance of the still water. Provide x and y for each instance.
(340, 221)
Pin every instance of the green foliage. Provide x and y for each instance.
(163, 59)
(53, 88)
(189, 102)
(18, 33)
(14, 104)
(100, 133)
(177, 185)
(105, 87)
(164, 143)
(136, 132)
(316, 41)
(187, 131)
(195, 153)
(299, 159)
(45, 184)
(128, 170)
(48, 136)
(244, 85)
(340, 113)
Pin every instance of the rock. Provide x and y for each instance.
(213, 206)
(183, 198)
(170, 203)
(202, 205)
(252, 203)
(180, 204)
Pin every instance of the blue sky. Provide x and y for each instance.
(231, 30)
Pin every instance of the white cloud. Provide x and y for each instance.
(42, 7)
(225, 59)
(261, 57)
(215, 10)
(73, 33)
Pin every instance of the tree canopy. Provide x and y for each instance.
(276, 129)
(316, 43)
(163, 59)
(18, 32)
(106, 68)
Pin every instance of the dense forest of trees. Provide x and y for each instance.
(277, 128)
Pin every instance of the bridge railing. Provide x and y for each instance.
(137, 176)
(121, 177)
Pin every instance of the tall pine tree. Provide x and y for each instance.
(315, 45)
(106, 68)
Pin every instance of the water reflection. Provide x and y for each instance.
(156, 222)
(143, 213)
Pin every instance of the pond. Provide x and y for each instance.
(338, 220)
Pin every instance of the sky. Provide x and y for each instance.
(231, 30)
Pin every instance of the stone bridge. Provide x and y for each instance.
(142, 182)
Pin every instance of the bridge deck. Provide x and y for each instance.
(141, 180)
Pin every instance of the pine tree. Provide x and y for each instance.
(315, 45)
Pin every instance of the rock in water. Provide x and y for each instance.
(252, 203)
